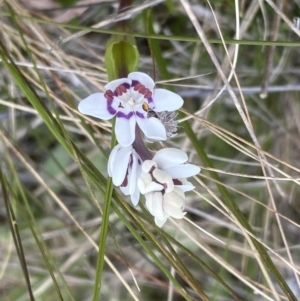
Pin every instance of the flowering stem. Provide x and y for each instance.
(123, 6)
(140, 147)
(104, 228)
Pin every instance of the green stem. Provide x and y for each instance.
(104, 229)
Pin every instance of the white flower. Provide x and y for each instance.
(171, 161)
(124, 166)
(162, 206)
(163, 183)
(129, 99)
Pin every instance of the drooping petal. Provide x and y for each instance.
(111, 159)
(152, 128)
(125, 130)
(148, 165)
(160, 222)
(179, 192)
(125, 190)
(174, 203)
(174, 211)
(143, 79)
(149, 201)
(157, 205)
(98, 106)
(116, 83)
(185, 186)
(120, 165)
(169, 157)
(165, 100)
(183, 171)
(152, 187)
(163, 178)
(135, 171)
(135, 197)
(143, 181)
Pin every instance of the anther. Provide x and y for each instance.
(145, 107)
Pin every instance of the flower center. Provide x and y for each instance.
(131, 102)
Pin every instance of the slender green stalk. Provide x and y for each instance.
(15, 233)
(104, 230)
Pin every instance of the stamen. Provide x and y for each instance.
(145, 107)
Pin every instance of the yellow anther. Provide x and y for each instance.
(145, 107)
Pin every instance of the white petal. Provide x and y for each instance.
(186, 187)
(183, 171)
(116, 83)
(165, 100)
(179, 192)
(120, 165)
(125, 190)
(125, 130)
(148, 165)
(169, 157)
(149, 201)
(174, 211)
(143, 79)
(111, 159)
(152, 187)
(142, 182)
(135, 172)
(174, 204)
(97, 105)
(152, 128)
(157, 205)
(175, 199)
(163, 178)
(135, 197)
(160, 222)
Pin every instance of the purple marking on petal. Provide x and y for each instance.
(150, 100)
(121, 89)
(123, 115)
(109, 95)
(139, 114)
(110, 109)
(177, 182)
(125, 182)
(134, 82)
(130, 161)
